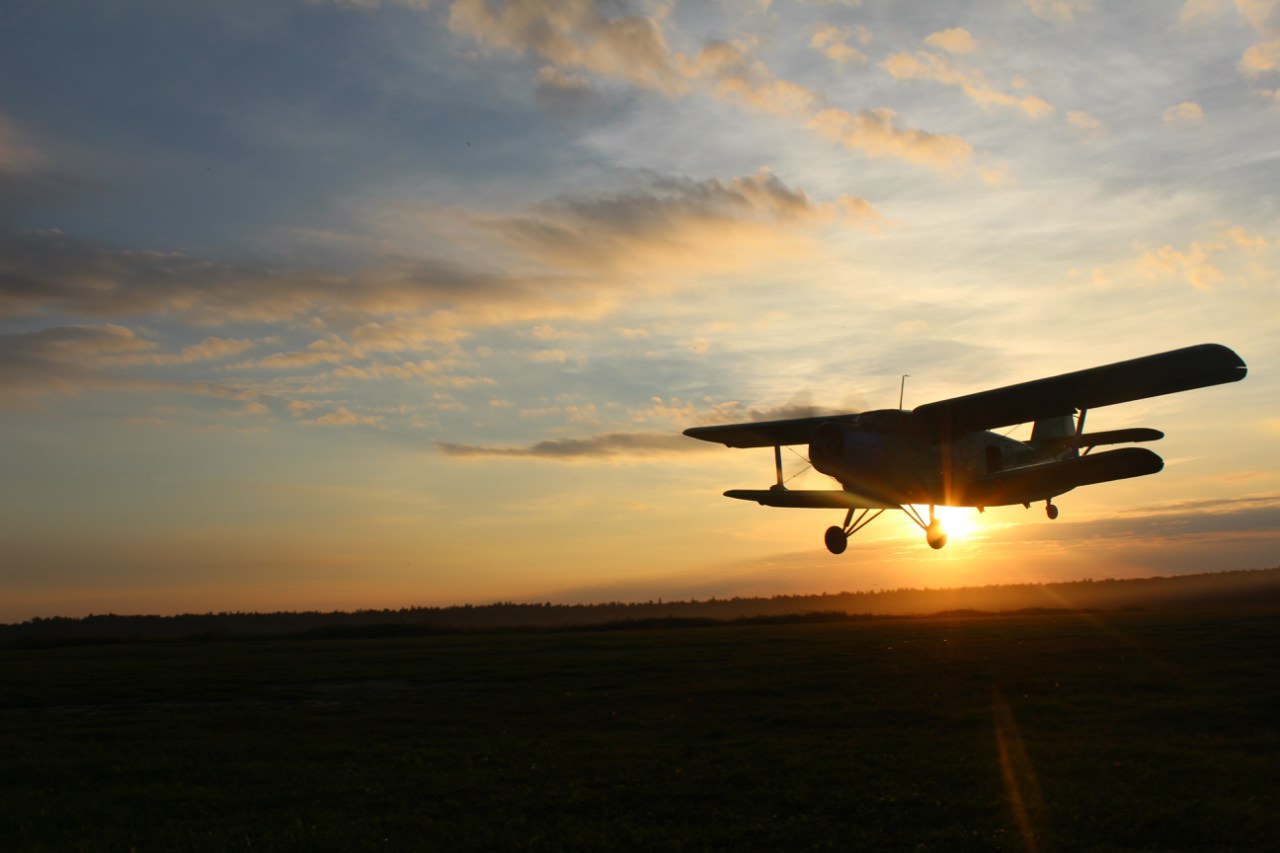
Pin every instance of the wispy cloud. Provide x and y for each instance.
(1087, 124)
(404, 302)
(19, 152)
(1198, 262)
(1187, 112)
(578, 36)
(834, 43)
(74, 359)
(1261, 60)
(1059, 11)
(1228, 257)
(926, 65)
(675, 223)
(612, 445)
(952, 40)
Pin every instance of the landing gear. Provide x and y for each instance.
(933, 532)
(935, 535)
(837, 540)
(1050, 510)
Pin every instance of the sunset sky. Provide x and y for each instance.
(380, 304)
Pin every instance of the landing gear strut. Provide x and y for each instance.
(837, 538)
(933, 532)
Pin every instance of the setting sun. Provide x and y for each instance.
(959, 522)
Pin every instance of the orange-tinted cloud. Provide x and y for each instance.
(1187, 112)
(1232, 256)
(342, 416)
(833, 42)
(876, 133)
(1262, 58)
(953, 40)
(924, 65)
(577, 36)
(574, 34)
(1088, 125)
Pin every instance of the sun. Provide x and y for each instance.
(959, 522)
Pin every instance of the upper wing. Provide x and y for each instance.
(1136, 379)
(764, 433)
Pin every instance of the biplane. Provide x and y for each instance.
(945, 453)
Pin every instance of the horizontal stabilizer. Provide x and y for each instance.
(765, 433)
(809, 499)
(1041, 399)
(1040, 482)
(1105, 437)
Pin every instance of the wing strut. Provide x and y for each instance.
(777, 465)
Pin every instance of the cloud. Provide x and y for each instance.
(1260, 59)
(1187, 112)
(1059, 11)
(210, 349)
(1195, 13)
(578, 36)
(675, 224)
(674, 414)
(374, 4)
(574, 257)
(47, 272)
(342, 416)
(833, 43)
(875, 133)
(574, 34)
(565, 92)
(608, 445)
(19, 153)
(924, 65)
(1199, 261)
(953, 40)
(1089, 126)
(68, 360)
(735, 76)
(1209, 504)
(407, 303)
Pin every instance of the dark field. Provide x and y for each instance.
(1124, 731)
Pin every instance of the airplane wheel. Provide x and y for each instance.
(1051, 511)
(837, 540)
(935, 535)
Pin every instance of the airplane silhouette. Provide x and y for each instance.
(944, 453)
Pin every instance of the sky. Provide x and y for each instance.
(334, 305)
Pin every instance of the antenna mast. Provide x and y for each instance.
(902, 386)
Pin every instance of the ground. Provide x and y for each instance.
(1104, 730)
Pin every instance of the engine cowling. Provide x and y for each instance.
(847, 453)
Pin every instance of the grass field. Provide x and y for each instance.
(1115, 731)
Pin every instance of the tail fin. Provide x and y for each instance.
(1047, 437)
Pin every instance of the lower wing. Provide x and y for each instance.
(811, 499)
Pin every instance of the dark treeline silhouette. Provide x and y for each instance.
(1260, 587)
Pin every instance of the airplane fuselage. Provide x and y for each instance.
(879, 453)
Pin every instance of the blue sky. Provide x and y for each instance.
(358, 304)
